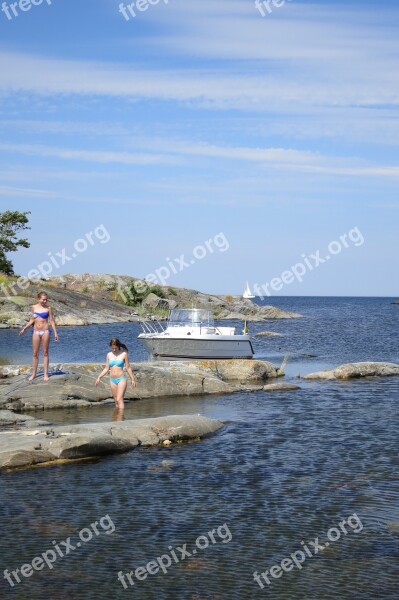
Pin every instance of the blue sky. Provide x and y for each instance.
(194, 119)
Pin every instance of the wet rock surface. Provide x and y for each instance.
(268, 334)
(355, 370)
(280, 387)
(10, 418)
(23, 449)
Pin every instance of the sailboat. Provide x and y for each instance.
(247, 292)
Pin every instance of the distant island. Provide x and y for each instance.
(86, 299)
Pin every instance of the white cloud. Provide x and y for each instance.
(261, 87)
(172, 152)
(97, 156)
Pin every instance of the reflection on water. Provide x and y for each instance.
(118, 414)
(286, 468)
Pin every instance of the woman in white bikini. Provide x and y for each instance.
(117, 360)
(42, 318)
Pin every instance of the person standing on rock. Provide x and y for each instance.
(42, 319)
(117, 360)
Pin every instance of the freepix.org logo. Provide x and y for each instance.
(14, 9)
(129, 11)
(266, 6)
(59, 550)
(297, 558)
(57, 260)
(166, 561)
(297, 272)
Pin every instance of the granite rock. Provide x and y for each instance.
(280, 387)
(23, 449)
(355, 370)
(73, 384)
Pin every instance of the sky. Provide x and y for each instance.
(205, 144)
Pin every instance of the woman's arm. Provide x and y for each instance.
(129, 370)
(29, 324)
(52, 323)
(104, 371)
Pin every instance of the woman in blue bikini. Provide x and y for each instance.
(42, 318)
(117, 360)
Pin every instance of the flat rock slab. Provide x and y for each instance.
(280, 387)
(23, 449)
(73, 385)
(355, 370)
(268, 334)
(240, 371)
(10, 418)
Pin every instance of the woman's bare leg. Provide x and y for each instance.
(45, 349)
(121, 389)
(114, 390)
(35, 347)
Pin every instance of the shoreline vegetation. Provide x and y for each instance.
(88, 299)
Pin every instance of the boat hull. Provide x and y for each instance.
(179, 348)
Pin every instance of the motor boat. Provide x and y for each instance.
(190, 333)
(247, 293)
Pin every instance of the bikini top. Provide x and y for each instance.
(42, 315)
(116, 363)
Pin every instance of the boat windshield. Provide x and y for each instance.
(191, 316)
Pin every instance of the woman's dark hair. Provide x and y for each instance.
(40, 294)
(116, 342)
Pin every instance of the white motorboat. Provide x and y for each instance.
(247, 292)
(191, 333)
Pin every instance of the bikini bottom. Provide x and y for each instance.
(118, 380)
(41, 333)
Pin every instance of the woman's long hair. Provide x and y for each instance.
(116, 342)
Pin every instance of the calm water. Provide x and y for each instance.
(286, 468)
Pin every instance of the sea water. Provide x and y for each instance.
(305, 479)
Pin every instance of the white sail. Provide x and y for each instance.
(247, 292)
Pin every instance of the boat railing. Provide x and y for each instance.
(153, 326)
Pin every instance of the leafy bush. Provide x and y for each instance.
(158, 291)
(136, 292)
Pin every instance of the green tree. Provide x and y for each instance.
(11, 223)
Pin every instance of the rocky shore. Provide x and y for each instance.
(73, 384)
(46, 445)
(98, 299)
(33, 441)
